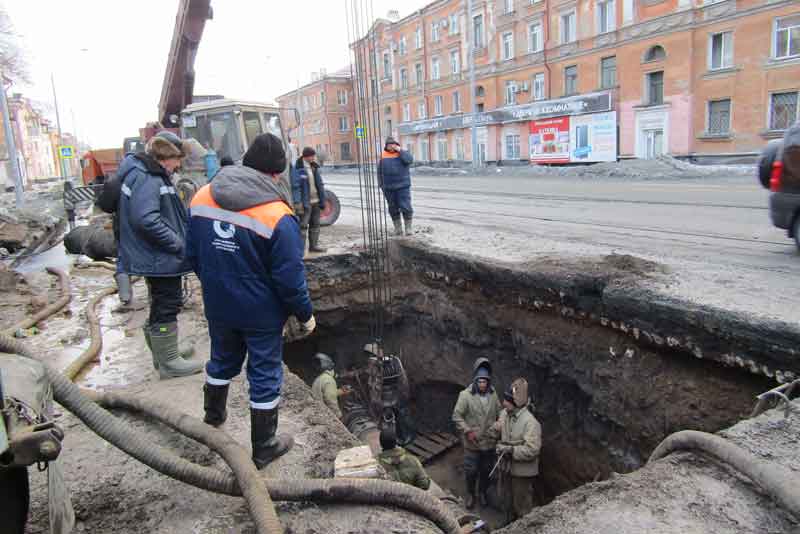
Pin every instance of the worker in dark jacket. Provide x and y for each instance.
(308, 192)
(152, 227)
(394, 179)
(399, 464)
(244, 244)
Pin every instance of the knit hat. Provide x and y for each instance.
(266, 154)
(160, 149)
(308, 152)
(388, 439)
(390, 141)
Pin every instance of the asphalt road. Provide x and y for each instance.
(712, 233)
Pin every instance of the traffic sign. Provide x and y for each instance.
(66, 152)
(361, 132)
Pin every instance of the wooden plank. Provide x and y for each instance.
(449, 438)
(434, 437)
(416, 451)
(432, 446)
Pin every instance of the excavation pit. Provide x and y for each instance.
(613, 369)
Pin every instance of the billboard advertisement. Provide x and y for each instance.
(549, 140)
(593, 137)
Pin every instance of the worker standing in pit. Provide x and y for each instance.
(477, 409)
(244, 245)
(394, 179)
(399, 465)
(520, 437)
(152, 243)
(308, 191)
(324, 388)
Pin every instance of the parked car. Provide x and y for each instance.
(779, 170)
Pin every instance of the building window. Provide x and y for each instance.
(655, 88)
(511, 92)
(721, 51)
(345, 150)
(787, 37)
(606, 16)
(406, 112)
(454, 27)
(441, 147)
(477, 31)
(454, 63)
(424, 154)
(479, 107)
(389, 126)
(422, 110)
(608, 72)
(538, 86)
(322, 99)
(567, 27)
(403, 78)
(435, 32)
(655, 53)
(343, 124)
(373, 60)
(512, 146)
(438, 105)
(534, 37)
(402, 46)
(460, 148)
(387, 66)
(719, 117)
(374, 85)
(480, 92)
(418, 74)
(418, 38)
(508, 46)
(456, 102)
(571, 80)
(341, 97)
(783, 110)
(509, 6)
(435, 71)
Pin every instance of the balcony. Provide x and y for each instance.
(680, 19)
(565, 50)
(605, 39)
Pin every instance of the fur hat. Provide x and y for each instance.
(266, 154)
(161, 149)
(308, 152)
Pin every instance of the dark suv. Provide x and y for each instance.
(779, 169)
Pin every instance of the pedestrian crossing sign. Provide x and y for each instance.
(361, 132)
(66, 152)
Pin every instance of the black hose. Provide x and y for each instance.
(357, 491)
(780, 485)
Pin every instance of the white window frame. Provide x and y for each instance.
(479, 40)
(535, 37)
(455, 66)
(339, 94)
(453, 26)
(441, 141)
(722, 35)
(648, 87)
(418, 38)
(510, 95)
(507, 51)
(406, 112)
(419, 73)
(387, 65)
(402, 46)
(435, 32)
(458, 150)
(616, 67)
(456, 101)
(539, 82)
(403, 78)
(769, 107)
(422, 110)
(508, 6)
(516, 143)
(775, 38)
(610, 20)
(438, 106)
(568, 35)
(436, 68)
(577, 73)
(730, 117)
(344, 124)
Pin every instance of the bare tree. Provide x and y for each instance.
(13, 61)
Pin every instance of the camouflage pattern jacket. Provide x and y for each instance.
(403, 467)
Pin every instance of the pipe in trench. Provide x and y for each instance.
(780, 485)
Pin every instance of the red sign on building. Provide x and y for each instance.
(549, 140)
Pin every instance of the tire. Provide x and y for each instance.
(332, 209)
(796, 231)
(14, 496)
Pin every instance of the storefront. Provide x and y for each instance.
(580, 128)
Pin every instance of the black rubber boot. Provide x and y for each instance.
(469, 502)
(266, 445)
(215, 401)
(409, 229)
(398, 226)
(313, 241)
(483, 498)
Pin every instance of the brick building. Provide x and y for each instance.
(325, 109)
(584, 80)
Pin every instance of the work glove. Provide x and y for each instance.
(503, 448)
(472, 436)
(309, 325)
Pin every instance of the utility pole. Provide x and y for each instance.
(300, 144)
(58, 125)
(473, 106)
(11, 146)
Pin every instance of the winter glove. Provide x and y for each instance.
(472, 436)
(309, 325)
(503, 448)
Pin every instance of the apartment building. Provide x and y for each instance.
(586, 80)
(324, 118)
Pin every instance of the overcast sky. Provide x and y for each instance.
(108, 56)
